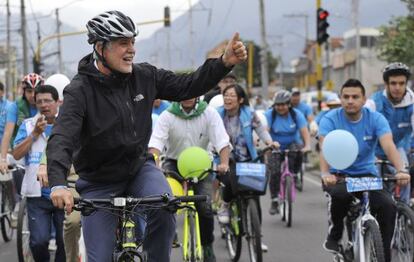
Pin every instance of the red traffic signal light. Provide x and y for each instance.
(322, 25)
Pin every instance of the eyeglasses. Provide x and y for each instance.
(44, 101)
(230, 96)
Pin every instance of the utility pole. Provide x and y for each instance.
(24, 37)
(190, 14)
(59, 47)
(306, 18)
(355, 22)
(8, 82)
(263, 54)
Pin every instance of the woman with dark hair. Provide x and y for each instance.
(240, 121)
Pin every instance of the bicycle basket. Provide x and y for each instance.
(251, 177)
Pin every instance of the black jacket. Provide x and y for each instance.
(105, 122)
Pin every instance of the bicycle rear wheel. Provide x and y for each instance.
(254, 235)
(287, 202)
(374, 250)
(402, 245)
(233, 233)
(23, 234)
(299, 178)
(6, 209)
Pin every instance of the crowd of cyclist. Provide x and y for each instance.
(102, 136)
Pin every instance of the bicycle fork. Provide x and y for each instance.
(198, 252)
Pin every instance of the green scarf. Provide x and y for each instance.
(175, 108)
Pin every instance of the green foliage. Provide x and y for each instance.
(241, 70)
(397, 38)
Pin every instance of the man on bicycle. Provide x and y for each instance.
(107, 111)
(30, 142)
(287, 126)
(193, 123)
(369, 128)
(396, 104)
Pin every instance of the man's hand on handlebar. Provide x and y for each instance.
(329, 180)
(62, 198)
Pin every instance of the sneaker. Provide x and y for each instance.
(13, 220)
(331, 246)
(52, 244)
(223, 214)
(265, 248)
(176, 243)
(208, 253)
(274, 207)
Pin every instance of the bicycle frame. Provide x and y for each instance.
(286, 173)
(191, 211)
(357, 228)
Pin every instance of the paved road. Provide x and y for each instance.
(302, 242)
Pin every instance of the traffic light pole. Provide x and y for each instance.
(319, 66)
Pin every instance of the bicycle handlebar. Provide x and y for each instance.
(82, 204)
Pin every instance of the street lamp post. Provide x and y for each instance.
(59, 44)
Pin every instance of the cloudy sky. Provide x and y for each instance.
(77, 12)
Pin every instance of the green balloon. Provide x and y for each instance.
(193, 161)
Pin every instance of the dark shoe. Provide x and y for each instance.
(274, 207)
(176, 243)
(208, 253)
(331, 246)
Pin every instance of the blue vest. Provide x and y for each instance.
(398, 118)
(245, 117)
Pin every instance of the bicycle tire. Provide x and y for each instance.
(288, 201)
(192, 238)
(233, 235)
(402, 246)
(7, 207)
(299, 178)
(23, 234)
(254, 235)
(374, 249)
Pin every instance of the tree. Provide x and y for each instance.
(397, 38)
(241, 70)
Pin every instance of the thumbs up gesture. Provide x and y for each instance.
(235, 52)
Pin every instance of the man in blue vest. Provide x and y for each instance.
(395, 103)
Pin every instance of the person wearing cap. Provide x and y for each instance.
(396, 104)
(107, 108)
(332, 102)
(23, 108)
(305, 109)
(288, 127)
(229, 79)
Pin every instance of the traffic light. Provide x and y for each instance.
(322, 25)
(37, 66)
(167, 21)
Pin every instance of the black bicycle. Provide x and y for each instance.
(128, 248)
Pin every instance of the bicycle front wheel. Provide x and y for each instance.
(402, 245)
(23, 234)
(374, 250)
(254, 235)
(7, 207)
(233, 234)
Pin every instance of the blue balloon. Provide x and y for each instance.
(340, 149)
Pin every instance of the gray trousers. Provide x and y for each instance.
(99, 228)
